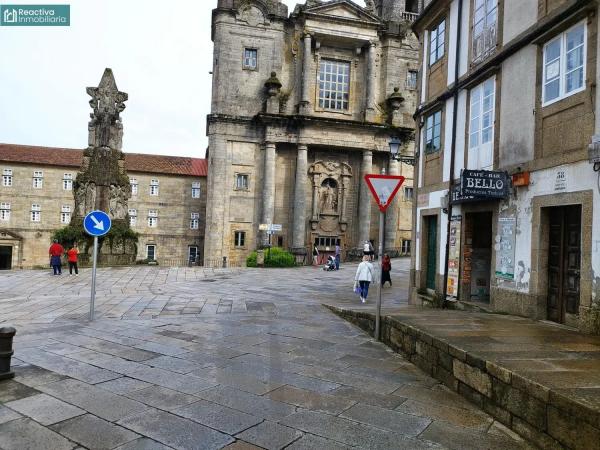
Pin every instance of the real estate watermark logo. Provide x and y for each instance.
(35, 15)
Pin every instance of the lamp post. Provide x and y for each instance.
(395, 153)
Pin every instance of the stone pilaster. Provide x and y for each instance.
(305, 101)
(299, 224)
(391, 217)
(268, 194)
(364, 205)
(371, 85)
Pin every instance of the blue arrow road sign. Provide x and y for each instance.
(97, 223)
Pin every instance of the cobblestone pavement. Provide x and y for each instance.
(199, 359)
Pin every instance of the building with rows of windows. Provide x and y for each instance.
(303, 105)
(507, 211)
(166, 207)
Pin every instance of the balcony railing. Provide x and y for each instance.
(409, 16)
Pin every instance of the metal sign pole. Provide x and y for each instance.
(378, 307)
(93, 296)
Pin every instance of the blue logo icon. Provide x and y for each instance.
(97, 223)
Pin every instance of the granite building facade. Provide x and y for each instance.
(303, 105)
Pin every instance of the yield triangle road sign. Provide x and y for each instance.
(384, 188)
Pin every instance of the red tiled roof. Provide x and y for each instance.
(134, 162)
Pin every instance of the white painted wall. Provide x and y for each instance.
(461, 123)
(518, 16)
(452, 24)
(424, 66)
(464, 36)
(447, 154)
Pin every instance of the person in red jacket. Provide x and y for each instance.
(55, 252)
(72, 255)
(386, 268)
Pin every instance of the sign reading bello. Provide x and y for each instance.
(484, 184)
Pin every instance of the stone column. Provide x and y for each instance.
(268, 194)
(305, 101)
(299, 225)
(391, 217)
(364, 210)
(371, 79)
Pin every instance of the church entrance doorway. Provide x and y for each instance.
(326, 246)
(5, 257)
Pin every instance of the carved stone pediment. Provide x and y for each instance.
(343, 9)
(253, 13)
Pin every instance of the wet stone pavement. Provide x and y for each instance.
(204, 359)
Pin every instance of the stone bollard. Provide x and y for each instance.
(6, 351)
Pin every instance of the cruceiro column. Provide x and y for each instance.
(371, 77)
(364, 210)
(305, 102)
(299, 230)
(268, 195)
(391, 218)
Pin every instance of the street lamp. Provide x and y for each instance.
(395, 144)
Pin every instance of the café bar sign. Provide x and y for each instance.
(484, 184)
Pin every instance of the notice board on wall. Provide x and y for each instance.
(453, 257)
(505, 248)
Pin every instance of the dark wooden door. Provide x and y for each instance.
(431, 251)
(564, 262)
(5, 257)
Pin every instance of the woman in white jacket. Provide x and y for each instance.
(364, 277)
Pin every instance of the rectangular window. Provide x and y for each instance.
(411, 79)
(68, 182)
(433, 133)
(36, 213)
(406, 246)
(7, 177)
(250, 58)
(196, 189)
(132, 217)
(564, 64)
(151, 252)
(484, 29)
(38, 179)
(408, 194)
(334, 84)
(240, 238)
(437, 38)
(4, 211)
(195, 221)
(193, 254)
(154, 187)
(241, 181)
(153, 218)
(134, 186)
(481, 125)
(65, 214)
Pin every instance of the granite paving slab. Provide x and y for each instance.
(162, 398)
(310, 400)
(312, 442)
(219, 417)
(405, 424)
(94, 433)
(6, 415)
(270, 435)
(45, 409)
(123, 385)
(35, 376)
(26, 434)
(13, 390)
(368, 398)
(143, 444)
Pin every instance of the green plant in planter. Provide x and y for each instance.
(275, 257)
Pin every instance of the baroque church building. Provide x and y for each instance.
(303, 106)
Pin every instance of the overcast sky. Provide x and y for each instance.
(160, 53)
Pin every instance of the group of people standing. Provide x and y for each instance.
(56, 252)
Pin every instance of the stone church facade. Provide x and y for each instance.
(303, 106)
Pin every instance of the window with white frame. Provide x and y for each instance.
(195, 221)
(433, 133)
(7, 177)
(153, 186)
(241, 181)
(4, 211)
(334, 84)
(36, 213)
(65, 214)
(406, 246)
(485, 19)
(437, 41)
(408, 194)
(481, 125)
(411, 79)
(38, 179)
(134, 186)
(196, 189)
(564, 64)
(68, 182)
(250, 59)
(239, 238)
(132, 217)
(153, 218)
(151, 252)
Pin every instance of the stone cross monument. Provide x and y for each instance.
(102, 182)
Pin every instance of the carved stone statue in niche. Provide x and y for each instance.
(329, 195)
(331, 183)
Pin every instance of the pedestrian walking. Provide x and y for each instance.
(386, 268)
(315, 254)
(364, 277)
(55, 252)
(72, 256)
(338, 256)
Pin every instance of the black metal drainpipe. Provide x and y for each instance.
(452, 146)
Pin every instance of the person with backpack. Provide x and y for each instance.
(55, 252)
(364, 277)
